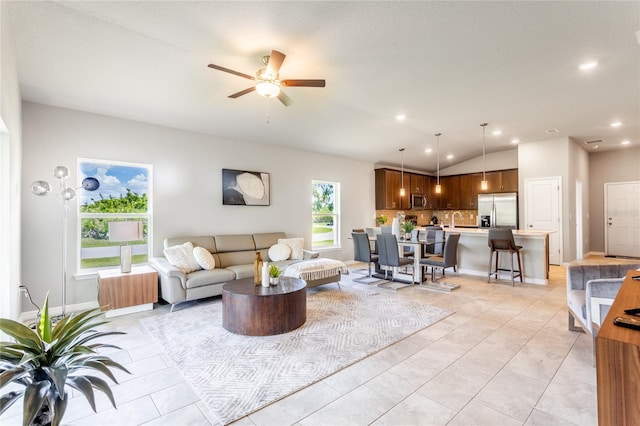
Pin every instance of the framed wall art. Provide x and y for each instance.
(245, 188)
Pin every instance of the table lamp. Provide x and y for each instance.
(125, 232)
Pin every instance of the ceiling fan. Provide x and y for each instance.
(268, 83)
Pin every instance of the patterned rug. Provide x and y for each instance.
(237, 375)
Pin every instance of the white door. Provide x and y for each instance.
(542, 212)
(622, 218)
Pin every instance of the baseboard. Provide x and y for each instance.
(30, 316)
(504, 276)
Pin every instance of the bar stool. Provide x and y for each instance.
(501, 240)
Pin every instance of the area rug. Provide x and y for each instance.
(236, 375)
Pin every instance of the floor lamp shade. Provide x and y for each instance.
(125, 231)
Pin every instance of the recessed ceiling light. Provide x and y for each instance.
(596, 147)
(616, 124)
(401, 117)
(585, 66)
(449, 157)
(515, 141)
(496, 132)
(551, 131)
(428, 150)
(625, 142)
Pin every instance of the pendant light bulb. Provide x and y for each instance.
(484, 185)
(402, 191)
(438, 189)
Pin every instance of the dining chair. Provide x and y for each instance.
(389, 253)
(362, 251)
(449, 259)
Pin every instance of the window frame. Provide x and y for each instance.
(148, 216)
(335, 214)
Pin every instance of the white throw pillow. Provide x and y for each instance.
(181, 256)
(297, 246)
(204, 258)
(279, 252)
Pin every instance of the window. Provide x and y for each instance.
(325, 212)
(124, 194)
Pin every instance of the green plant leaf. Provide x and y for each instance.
(34, 396)
(84, 386)
(59, 408)
(103, 386)
(9, 376)
(96, 365)
(44, 326)
(8, 399)
(21, 333)
(58, 375)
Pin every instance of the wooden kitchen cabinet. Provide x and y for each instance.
(417, 184)
(502, 181)
(509, 180)
(387, 189)
(450, 197)
(469, 187)
(429, 192)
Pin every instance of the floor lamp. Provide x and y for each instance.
(66, 194)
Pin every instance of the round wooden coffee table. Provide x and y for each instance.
(264, 311)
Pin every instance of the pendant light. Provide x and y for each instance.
(438, 187)
(402, 192)
(484, 185)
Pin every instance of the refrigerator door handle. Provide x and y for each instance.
(493, 216)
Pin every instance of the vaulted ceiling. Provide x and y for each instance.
(447, 66)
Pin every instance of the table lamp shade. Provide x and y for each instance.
(125, 231)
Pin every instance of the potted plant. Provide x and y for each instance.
(407, 228)
(48, 359)
(274, 274)
(381, 220)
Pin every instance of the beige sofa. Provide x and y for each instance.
(234, 256)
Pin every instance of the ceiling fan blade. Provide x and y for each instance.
(243, 92)
(286, 100)
(303, 83)
(219, 68)
(275, 62)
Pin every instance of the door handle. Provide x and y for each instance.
(610, 223)
(530, 226)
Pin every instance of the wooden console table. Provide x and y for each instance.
(618, 361)
(125, 293)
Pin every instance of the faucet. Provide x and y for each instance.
(453, 217)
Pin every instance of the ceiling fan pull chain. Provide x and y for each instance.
(267, 108)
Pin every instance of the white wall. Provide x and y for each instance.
(621, 165)
(548, 158)
(10, 166)
(578, 171)
(493, 161)
(187, 187)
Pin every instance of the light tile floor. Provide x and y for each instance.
(504, 358)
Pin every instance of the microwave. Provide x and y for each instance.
(418, 201)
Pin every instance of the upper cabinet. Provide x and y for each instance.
(458, 192)
(417, 183)
(388, 190)
(502, 181)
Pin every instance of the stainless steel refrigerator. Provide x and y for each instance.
(498, 210)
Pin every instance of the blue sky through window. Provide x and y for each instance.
(114, 180)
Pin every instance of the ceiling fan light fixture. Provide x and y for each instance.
(267, 89)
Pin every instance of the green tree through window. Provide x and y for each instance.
(325, 229)
(124, 194)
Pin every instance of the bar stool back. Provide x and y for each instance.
(501, 240)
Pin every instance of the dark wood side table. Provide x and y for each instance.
(125, 293)
(264, 311)
(618, 361)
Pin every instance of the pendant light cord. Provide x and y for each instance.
(484, 178)
(438, 158)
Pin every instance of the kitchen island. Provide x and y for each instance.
(473, 253)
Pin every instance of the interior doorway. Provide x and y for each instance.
(542, 211)
(579, 226)
(622, 219)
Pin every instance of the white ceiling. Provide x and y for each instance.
(447, 65)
